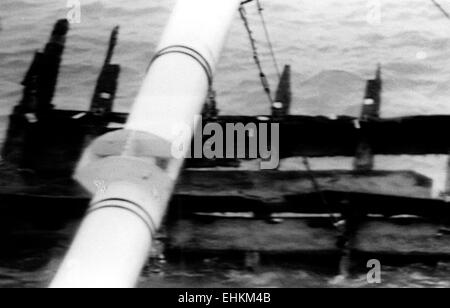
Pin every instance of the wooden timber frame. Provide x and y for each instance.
(223, 210)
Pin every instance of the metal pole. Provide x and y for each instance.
(132, 172)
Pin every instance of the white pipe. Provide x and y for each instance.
(132, 172)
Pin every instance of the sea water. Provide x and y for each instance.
(332, 46)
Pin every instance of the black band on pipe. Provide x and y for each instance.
(147, 219)
(191, 52)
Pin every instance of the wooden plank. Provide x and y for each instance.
(264, 186)
(387, 237)
(53, 195)
(308, 235)
(258, 192)
(274, 186)
(403, 237)
(222, 235)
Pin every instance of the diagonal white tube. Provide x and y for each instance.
(132, 172)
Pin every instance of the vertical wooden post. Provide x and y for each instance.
(364, 158)
(283, 98)
(210, 110)
(39, 87)
(447, 184)
(41, 78)
(106, 88)
(372, 99)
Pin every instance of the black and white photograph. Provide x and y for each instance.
(224, 150)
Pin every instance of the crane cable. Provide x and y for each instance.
(440, 8)
(262, 75)
(315, 183)
(269, 41)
